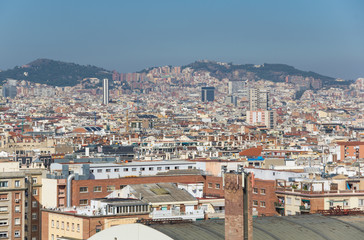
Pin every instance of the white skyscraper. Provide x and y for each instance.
(106, 92)
(258, 99)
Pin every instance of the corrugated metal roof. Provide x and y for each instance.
(265, 228)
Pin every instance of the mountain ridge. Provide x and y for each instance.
(59, 73)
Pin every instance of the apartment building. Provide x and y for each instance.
(311, 196)
(14, 215)
(74, 224)
(20, 194)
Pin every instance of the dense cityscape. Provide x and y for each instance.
(77, 160)
(181, 120)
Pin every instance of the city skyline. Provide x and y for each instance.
(323, 37)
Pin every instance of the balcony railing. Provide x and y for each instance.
(305, 208)
(160, 214)
(279, 205)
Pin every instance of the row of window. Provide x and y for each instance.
(262, 191)
(67, 226)
(332, 203)
(217, 185)
(135, 169)
(255, 203)
(4, 197)
(109, 188)
(16, 183)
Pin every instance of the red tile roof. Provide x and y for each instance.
(252, 152)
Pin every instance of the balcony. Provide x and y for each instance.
(162, 214)
(279, 205)
(305, 208)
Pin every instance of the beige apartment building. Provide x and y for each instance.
(303, 198)
(19, 205)
(69, 224)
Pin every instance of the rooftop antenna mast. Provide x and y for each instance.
(95, 117)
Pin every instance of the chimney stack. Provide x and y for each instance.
(238, 205)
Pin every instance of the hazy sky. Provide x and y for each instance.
(326, 36)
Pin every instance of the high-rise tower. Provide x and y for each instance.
(105, 99)
(207, 94)
(258, 99)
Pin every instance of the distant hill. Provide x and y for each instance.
(272, 72)
(57, 73)
(54, 73)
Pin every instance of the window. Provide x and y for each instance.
(126, 169)
(3, 183)
(17, 195)
(62, 225)
(262, 204)
(210, 185)
(110, 188)
(159, 168)
(34, 216)
(83, 189)
(34, 180)
(288, 200)
(262, 191)
(68, 226)
(17, 233)
(52, 223)
(17, 183)
(3, 234)
(346, 202)
(167, 168)
(133, 169)
(3, 222)
(255, 190)
(97, 189)
(217, 186)
(3, 209)
(78, 227)
(35, 192)
(34, 238)
(99, 170)
(297, 201)
(57, 224)
(73, 227)
(34, 228)
(3, 197)
(34, 204)
(108, 170)
(189, 167)
(116, 169)
(52, 237)
(17, 208)
(142, 169)
(151, 169)
(289, 212)
(91, 171)
(361, 202)
(176, 167)
(255, 203)
(83, 201)
(17, 221)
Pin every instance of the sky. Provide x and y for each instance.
(325, 36)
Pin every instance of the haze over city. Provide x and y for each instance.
(321, 36)
(181, 120)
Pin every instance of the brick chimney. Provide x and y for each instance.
(238, 206)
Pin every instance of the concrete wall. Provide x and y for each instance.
(49, 199)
